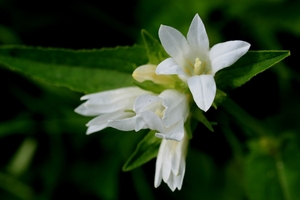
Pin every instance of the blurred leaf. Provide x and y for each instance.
(272, 169)
(146, 149)
(251, 64)
(15, 187)
(155, 51)
(291, 164)
(23, 157)
(262, 181)
(8, 36)
(18, 125)
(82, 70)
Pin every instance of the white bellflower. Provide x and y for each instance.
(193, 61)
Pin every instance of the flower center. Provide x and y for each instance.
(159, 112)
(200, 68)
(197, 66)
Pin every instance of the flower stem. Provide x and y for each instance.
(281, 176)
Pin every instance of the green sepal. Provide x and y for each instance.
(146, 150)
(154, 49)
(198, 114)
(249, 65)
(219, 98)
(150, 86)
(190, 125)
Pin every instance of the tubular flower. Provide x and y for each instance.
(165, 113)
(109, 105)
(193, 61)
(170, 163)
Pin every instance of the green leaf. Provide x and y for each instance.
(155, 51)
(198, 114)
(79, 70)
(146, 150)
(248, 66)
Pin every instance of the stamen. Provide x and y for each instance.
(159, 113)
(197, 66)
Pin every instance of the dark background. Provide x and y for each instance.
(66, 163)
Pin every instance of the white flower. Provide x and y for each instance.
(165, 113)
(109, 105)
(194, 62)
(170, 163)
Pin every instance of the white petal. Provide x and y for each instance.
(125, 103)
(100, 122)
(99, 127)
(225, 54)
(197, 36)
(83, 110)
(158, 166)
(109, 101)
(174, 43)
(175, 132)
(169, 66)
(203, 89)
(176, 105)
(127, 124)
(171, 182)
(153, 121)
(166, 167)
(176, 160)
(113, 95)
(179, 178)
(143, 102)
(158, 177)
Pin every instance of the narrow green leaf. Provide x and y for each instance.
(79, 70)
(190, 125)
(155, 51)
(198, 114)
(251, 64)
(146, 150)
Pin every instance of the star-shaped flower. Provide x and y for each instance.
(193, 61)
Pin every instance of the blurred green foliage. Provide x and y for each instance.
(252, 155)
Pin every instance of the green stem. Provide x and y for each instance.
(281, 176)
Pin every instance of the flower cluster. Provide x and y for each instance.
(192, 63)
